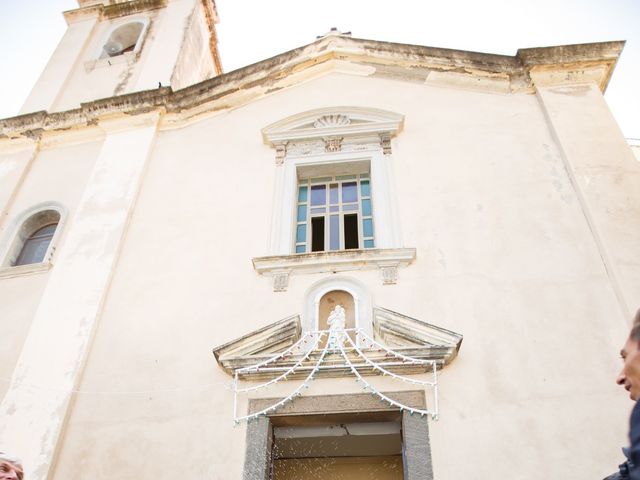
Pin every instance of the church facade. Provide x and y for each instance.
(356, 259)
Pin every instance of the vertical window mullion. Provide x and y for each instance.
(333, 213)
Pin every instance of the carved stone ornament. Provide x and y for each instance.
(327, 121)
(385, 143)
(280, 282)
(333, 144)
(281, 152)
(389, 274)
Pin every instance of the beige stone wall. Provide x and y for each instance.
(507, 256)
(50, 175)
(76, 74)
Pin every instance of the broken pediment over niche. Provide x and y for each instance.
(398, 344)
(333, 125)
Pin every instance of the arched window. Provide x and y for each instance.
(36, 245)
(122, 40)
(32, 242)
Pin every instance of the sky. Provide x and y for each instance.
(252, 30)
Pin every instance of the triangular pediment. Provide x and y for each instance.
(403, 334)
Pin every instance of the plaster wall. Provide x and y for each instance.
(505, 257)
(194, 63)
(13, 168)
(164, 50)
(65, 59)
(93, 78)
(76, 74)
(34, 409)
(54, 175)
(636, 151)
(605, 173)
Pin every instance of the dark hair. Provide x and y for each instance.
(634, 334)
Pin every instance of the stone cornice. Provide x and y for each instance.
(406, 335)
(459, 69)
(105, 9)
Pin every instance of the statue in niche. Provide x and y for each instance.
(337, 318)
(336, 322)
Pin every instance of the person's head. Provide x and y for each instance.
(629, 376)
(10, 467)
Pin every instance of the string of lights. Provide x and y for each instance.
(289, 398)
(281, 355)
(335, 343)
(382, 396)
(284, 375)
(384, 371)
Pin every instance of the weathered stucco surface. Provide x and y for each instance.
(507, 191)
(505, 257)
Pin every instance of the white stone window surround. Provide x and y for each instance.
(128, 57)
(386, 226)
(13, 240)
(334, 140)
(369, 132)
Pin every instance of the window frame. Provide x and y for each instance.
(386, 224)
(334, 140)
(339, 209)
(23, 226)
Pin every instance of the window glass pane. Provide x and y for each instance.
(317, 234)
(35, 247)
(333, 194)
(351, 231)
(368, 244)
(33, 251)
(364, 175)
(302, 213)
(335, 208)
(318, 210)
(49, 230)
(367, 227)
(334, 232)
(366, 207)
(350, 208)
(301, 234)
(346, 177)
(301, 248)
(364, 188)
(302, 194)
(318, 195)
(349, 192)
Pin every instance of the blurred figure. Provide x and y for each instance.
(10, 467)
(629, 378)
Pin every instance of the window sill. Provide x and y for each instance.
(386, 259)
(21, 270)
(127, 57)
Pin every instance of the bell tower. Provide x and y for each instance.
(114, 47)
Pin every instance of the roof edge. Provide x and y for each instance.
(522, 73)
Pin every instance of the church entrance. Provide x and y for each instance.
(343, 451)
